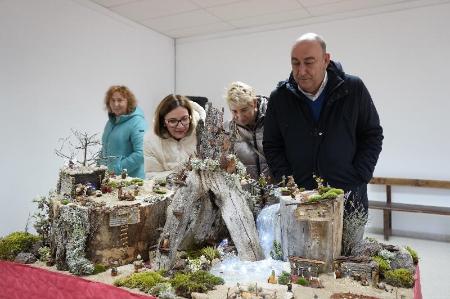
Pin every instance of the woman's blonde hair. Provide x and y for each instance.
(169, 103)
(240, 93)
(126, 93)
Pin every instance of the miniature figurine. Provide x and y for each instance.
(364, 281)
(337, 273)
(272, 278)
(114, 270)
(164, 244)
(90, 189)
(119, 191)
(138, 263)
(80, 190)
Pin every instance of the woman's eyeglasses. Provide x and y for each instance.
(173, 122)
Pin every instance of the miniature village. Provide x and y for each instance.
(173, 237)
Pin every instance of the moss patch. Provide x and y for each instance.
(413, 254)
(303, 281)
(99, 268)
(210, 253)
(143, 281)
(284, 278)
(14, 243)
(199, 281)
(383, 264)
(399, 278)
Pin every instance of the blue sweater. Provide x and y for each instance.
(316, 106)
(122, 143)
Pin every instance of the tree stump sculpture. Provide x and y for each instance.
(208, 198)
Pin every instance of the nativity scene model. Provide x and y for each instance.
(206, 225)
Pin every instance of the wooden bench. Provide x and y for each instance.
(388, 206)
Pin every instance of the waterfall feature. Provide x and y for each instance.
(267, 224)
(233, 270)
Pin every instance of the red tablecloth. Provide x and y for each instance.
(417, 287)
(23, 281)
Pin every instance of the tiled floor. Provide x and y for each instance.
(434, 262)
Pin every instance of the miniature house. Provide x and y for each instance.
(312, 231)
(69, 178)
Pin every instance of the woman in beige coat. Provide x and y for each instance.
(173, 139)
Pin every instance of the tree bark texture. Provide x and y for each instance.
(199, 211)
(312, 231)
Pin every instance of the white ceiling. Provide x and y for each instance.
(191, 18)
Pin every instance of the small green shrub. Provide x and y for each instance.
(329, 195)
(383, 264)
(199, 281)
(161, 181)
(14, 243)
(337, 191)
(44, 253)
(284, 278)
(99, 268)
(136, 181)
(276, 253)
(413, 254)
(323, 189)
(210, 253)
(399, 278)
(160, 190)
(143, 281)
(194, 265)
(303, 281)
(194, 253)
(112, 184)
(314, 198)
(64, 201)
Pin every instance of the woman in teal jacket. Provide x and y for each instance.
(122, 141)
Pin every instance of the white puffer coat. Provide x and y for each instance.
(163, 156)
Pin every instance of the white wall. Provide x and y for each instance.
(57, 59)
(403, 59)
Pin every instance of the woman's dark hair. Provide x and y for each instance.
(168, 104)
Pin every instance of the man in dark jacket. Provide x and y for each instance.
(323, 122)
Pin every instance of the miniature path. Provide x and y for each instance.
(23, 281)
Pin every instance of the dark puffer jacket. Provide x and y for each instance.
(248, 142)
(342, 147)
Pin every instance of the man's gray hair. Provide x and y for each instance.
(313, 37)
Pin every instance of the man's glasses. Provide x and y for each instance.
(173, 122)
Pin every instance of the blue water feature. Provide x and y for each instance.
(233, 270)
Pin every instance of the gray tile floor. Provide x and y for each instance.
(434, 263)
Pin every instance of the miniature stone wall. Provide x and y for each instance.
(360, 271)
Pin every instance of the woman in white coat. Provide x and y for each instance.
(173, 139)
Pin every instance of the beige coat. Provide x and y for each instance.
(163, 156)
